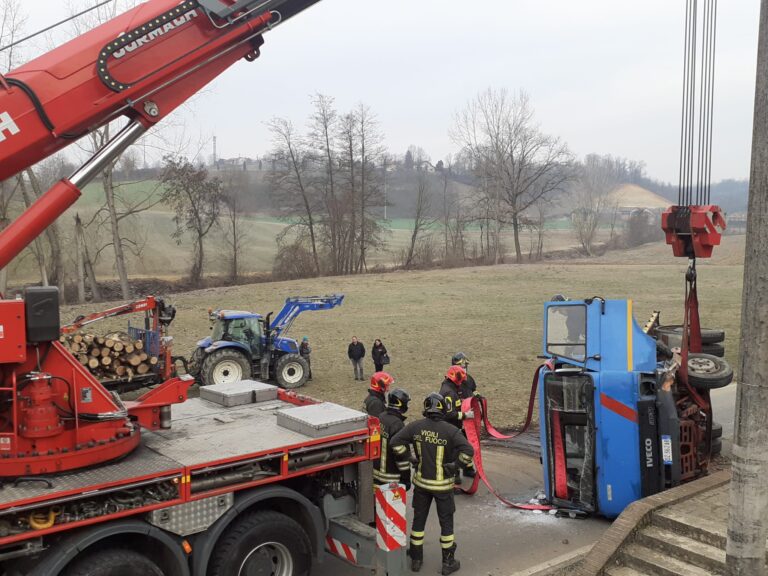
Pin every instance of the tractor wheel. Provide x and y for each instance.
(292, 371)
(114, 562)
(672, 335)
(708, 372)
(225, 366)
(263, 542)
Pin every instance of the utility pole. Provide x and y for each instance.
(745, 550)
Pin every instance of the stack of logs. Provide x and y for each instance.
(113, 357)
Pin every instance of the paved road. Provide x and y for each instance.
(494, 540)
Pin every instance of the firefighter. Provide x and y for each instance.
(469, 388)
(375, 403)
(386, 469)
(455, 390)
(440, 449)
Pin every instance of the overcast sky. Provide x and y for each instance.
(605, 75)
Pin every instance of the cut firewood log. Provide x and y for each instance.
(143, 356)
(153, 361)
(63, 338)
(142, 368)
(83, 359)
(129, 348)
(121, 371)
(134, 360)
(119, 346)
(100, 340)
(88, 339)
(105, 352)
(93, 363)
(106, 361)
(77, 338)
(95, 351)
(138, 344)
(109, 343)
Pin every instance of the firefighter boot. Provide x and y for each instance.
(450, 564)
(417, 557)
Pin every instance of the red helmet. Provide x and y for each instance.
(456, 374)
(381, 381)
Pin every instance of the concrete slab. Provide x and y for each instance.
(494, 540)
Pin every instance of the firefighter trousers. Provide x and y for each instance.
(444, 502)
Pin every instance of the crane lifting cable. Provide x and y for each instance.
(694, 226)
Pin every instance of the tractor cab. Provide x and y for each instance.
(240, 327)
(601, 447)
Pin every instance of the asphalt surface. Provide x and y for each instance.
(494, 540)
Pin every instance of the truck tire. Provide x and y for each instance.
(113, 562)
(262, 542)
(717, 447)
(708, 372)
(291, 371)
(672, 334)
(717, 430)
(714, 349)
(225, 367)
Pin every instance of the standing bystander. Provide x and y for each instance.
(356, 353)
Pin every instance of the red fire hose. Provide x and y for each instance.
(472, 427)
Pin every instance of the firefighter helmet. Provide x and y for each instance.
(398, 400)
(381, 381)
(460, 359)
(435, 405)
(457, 375)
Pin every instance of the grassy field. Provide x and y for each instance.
(491, 313)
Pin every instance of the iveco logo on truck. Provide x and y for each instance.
(648, 453)
(154, 34)
(7, 126)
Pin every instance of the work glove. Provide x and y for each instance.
(450, 468)
(469, 414)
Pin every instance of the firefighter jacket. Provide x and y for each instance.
(386, 469)
(454, 396)
(437, 443)
(374, 403)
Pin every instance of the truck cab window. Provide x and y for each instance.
(567, 332)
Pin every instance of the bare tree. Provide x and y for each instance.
(234, 184)
(591, 198)
(422, 216)
(196, 200)
(523, 165)
(290, 181)
(85, 261)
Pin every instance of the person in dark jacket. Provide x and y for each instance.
(386, 469)
(356, 353)
(379, 355)
(305, 351)
(375, 403)
(440, 449)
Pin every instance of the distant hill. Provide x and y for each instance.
(629, 196)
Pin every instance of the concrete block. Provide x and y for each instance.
(238, 393)
(320, 420)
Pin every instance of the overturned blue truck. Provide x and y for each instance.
(610, 432)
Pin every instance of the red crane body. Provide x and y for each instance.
(141, 65)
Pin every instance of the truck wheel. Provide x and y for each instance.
(262, 543)
(708, 372)
(113, 562)
(672, 334)
(717, 430)
(291, 371)
(225, 366)
(714, 349)
(717, 446)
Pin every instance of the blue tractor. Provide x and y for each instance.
(245, 344)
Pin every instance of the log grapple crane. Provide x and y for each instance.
(141, 66)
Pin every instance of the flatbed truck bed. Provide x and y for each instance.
(182, 480)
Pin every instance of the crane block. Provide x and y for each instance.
(693, 231)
